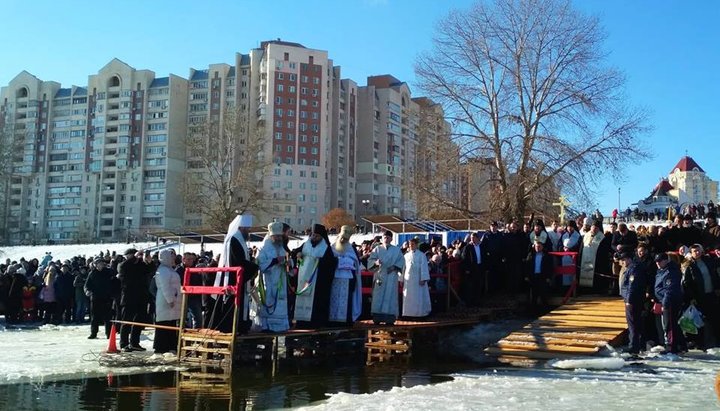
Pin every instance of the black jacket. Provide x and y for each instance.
(693, 283)
(546, 266)
(135, 275)
(101, 285)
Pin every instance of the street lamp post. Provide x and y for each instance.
(366, 204)
(34, 239)
(128, 223)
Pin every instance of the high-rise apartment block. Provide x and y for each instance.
(111, 159)
(96, 161)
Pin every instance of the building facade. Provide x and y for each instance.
(111, 160)
(96, 160)
(387, 143)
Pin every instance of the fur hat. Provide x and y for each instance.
(275, 228)
(346, 231)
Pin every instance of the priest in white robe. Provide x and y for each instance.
(416, 293)
(591, 242)
(387, 261)
(268, 308)
(345, 294)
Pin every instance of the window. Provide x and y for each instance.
(278, 136)
(159, 138)
(156, 126)
(280, 87)
(288, 173)
(288, 185)
(303, 150)
(289, 149)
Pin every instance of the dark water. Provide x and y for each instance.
(291, 385)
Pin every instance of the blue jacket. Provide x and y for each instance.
(632, 288)
(668, 286)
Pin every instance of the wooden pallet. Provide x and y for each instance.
(580, 328)
(206, 347)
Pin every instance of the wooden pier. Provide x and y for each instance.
(582, 327)
(383, 343)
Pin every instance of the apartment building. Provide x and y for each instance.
(387, 145)
(290, 95)
(96, 160)
(343, 143)
(111, 159)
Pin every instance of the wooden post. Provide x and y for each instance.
(183, 313)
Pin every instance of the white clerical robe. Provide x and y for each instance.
(340, 295)
(416, 297)
(589, 254)
(307, 276)
(269, 311)
(385, 281)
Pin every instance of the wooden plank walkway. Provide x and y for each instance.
(580, 328)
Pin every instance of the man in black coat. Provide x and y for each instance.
(701, 287)
(491, 246)
(711, 233)
(100, 286)
(134, 274)
(539, 271)
(474, 271)
(194, 301)
(515, 246)
(688, 234)
(632, 289)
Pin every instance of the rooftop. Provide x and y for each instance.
(687, 164)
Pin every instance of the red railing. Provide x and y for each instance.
(567, 271)
(452, 277)
(207, 289)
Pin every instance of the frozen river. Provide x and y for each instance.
(56, 368)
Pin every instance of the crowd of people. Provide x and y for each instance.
(659, 270)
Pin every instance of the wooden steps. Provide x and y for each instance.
(580, 328)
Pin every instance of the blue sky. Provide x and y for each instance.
(669, 50)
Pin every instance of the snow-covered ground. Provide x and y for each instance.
(53, 352)
(63, 252)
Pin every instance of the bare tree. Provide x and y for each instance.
(526, 85)
(226, 165)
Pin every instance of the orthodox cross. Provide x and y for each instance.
(562, 204)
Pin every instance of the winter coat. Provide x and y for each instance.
(64, 289)
(633, 285)
(134, 276)
(168, 296)
(100, 285)
(668, 288)
(693, 283)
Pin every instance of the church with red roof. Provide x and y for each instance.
(686, 183)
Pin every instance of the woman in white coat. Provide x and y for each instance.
(416, 294)
(167, 302)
